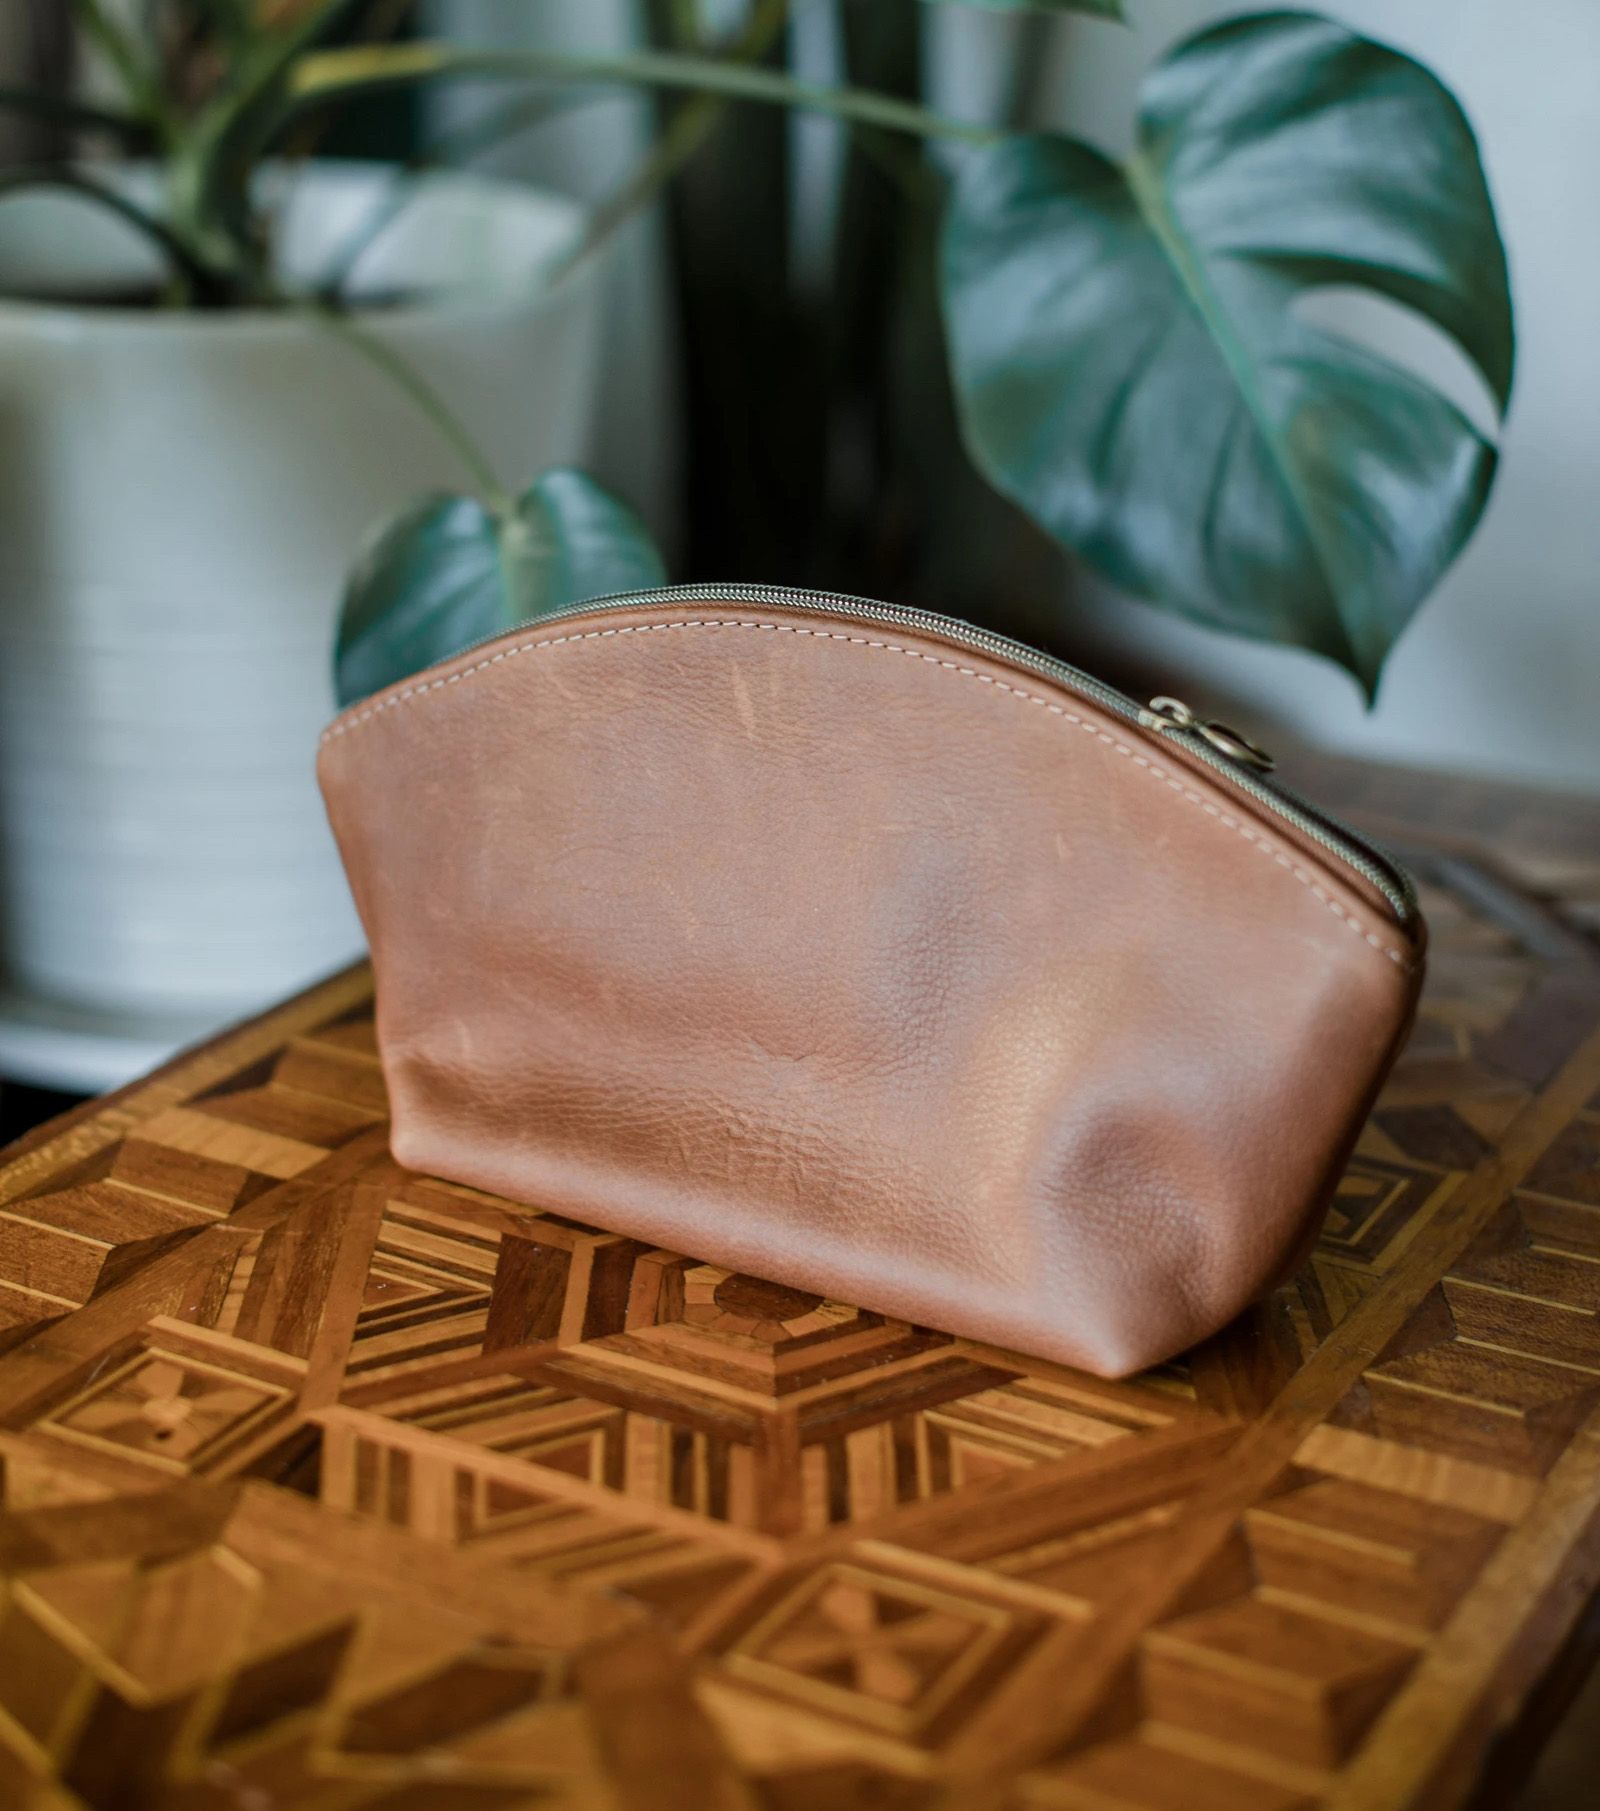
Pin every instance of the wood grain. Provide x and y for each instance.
(328, 1485)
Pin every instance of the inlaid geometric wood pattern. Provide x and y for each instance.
(330, 1486)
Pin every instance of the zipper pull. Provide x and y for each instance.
(1173, 715)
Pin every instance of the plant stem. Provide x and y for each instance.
(331, 74)
(138, 80)
(687, 132)
(427, 401)
(455, 145)
(199, 284)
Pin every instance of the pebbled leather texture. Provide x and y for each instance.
(847, 957)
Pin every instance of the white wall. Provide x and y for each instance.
(1499, 670)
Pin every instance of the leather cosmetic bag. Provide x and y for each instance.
(872, 954)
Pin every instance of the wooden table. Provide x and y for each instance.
(332, 1486)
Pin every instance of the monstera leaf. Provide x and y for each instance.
(451, 572)
(1133, 369)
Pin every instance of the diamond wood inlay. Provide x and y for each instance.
(330, 1486)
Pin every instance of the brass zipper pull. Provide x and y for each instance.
(1172, 715)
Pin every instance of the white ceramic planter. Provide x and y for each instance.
(180, 496)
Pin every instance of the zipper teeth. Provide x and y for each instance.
(1381, 871)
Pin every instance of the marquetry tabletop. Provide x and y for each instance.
(332, 1486)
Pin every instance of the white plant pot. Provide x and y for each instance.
(180, 497)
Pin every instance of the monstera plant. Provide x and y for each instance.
(1126, 343)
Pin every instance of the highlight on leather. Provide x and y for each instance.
(870, 955)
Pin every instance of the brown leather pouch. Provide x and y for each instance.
(872, 954)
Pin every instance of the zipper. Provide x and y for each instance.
(1227, 753)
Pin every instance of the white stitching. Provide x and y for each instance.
(1250, 835)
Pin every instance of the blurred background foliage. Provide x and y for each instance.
(1114, 346)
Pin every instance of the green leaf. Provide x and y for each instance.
(1134, 371)
(217, 159)
(1096, 9)
(129, 60)
(449, 573)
